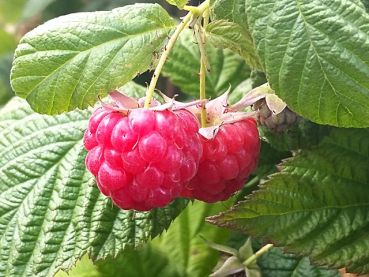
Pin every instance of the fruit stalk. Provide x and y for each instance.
(204, 65)
(257, 254)
(193, 12)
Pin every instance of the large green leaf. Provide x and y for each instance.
(366, 4)
(235, 34)
(51, 213)
(227, 68)
(315, 54)
(146, 261)
(318, 204)
(70, 61)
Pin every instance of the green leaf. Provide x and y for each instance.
(179, 3)
(223, 34)
(70, 61)
(147, 261)
(183, 243)
(317, 206)
(275, 263)
(234, 12)
(51, 213)
(315, 56)
(227, 68)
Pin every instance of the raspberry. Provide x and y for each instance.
(142, 158)
(275, 122)
(227, 161)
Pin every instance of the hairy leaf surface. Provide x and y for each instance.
(51, 212)
(227, 68)
(315, 56)
(223, 34)
(69, 61)
(318, 204)
(234, 33)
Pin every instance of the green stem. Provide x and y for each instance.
(204, 65)
(194, 11)
(254, 257)
(202, 92)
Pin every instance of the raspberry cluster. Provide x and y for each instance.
(144, 158)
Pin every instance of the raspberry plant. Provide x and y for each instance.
(301, 212)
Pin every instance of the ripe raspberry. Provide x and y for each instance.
(275, 122)
(227, 161)
(142, 158)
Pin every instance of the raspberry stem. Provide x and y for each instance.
(204, 64)
(193, 11)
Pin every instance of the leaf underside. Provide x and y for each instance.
(51, 212)
(70, 61)
(318, 204)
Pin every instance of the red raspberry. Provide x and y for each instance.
(227, 161)
(142, 158)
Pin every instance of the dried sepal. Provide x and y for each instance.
(253, 96)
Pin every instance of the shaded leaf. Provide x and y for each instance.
(224, 34)
(184, 245)
(6, 91)
(71, 60)
(51, 213)
(275, 263)
(234, 11)
(227, 68)
(147, 261)
(301, 136)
